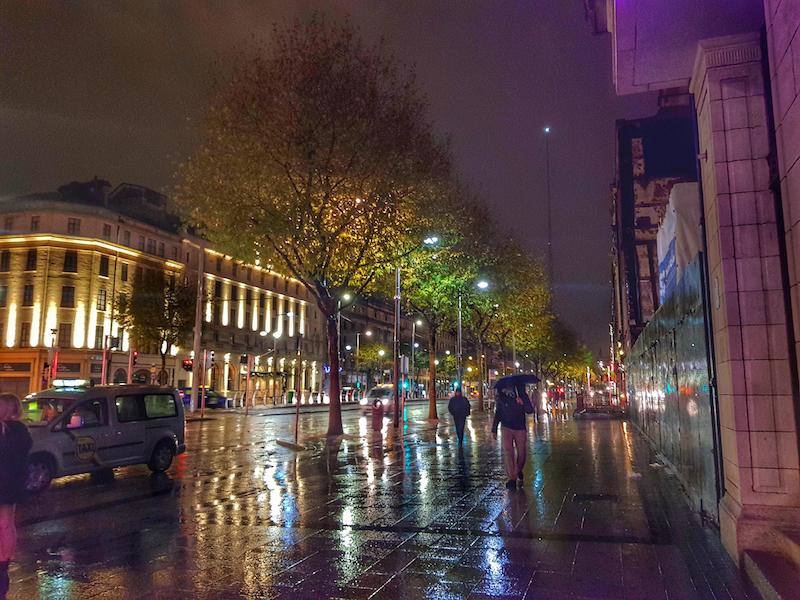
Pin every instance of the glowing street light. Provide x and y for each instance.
(482, 284)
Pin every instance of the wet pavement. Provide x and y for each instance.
(375, 516)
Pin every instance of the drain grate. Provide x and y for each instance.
(595, 498)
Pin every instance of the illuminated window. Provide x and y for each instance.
(64, 335)
(106, 231)
(104, 266)
(74, 226)
(25, 335)
(27, 295)
(68, 296)
(101, 300)
(3, 297)
(8, 223)
(5, 261)
(35, 223)
(124, 272)
(30, 261)
(70, 261)
(126, 237)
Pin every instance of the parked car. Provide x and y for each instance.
(383, 392)
(214, 399)
(85, 429)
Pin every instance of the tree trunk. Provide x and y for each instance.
(480, 374)
(335, 408)
(432, 414)
(163, 366)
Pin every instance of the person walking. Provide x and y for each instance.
(15, 444)
(511, 410)
(460, 409)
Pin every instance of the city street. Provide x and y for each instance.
(367, 517)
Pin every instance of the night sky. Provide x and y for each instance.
(115, 89)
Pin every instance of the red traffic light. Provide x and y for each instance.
(188, 364)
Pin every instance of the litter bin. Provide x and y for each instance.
(290, 397)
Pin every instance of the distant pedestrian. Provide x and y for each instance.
(460, 409)
(15, 443)
(511, 410)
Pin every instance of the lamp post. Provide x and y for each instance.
(414, 324)
(549, 208)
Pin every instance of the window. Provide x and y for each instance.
(247, 273)
(161, 249)
(68, 296)
(248, 295)
(138, 273)
(3, 297)
(106, 231)
(124, 272)
(126, 237)
(70, 261)
(151, 246)
(5, 261)
(157, 406)
(219, 264)
(234, 293)
(232, 320)
(27, 295)
(8, 223)
(129, 408)
(30, 260)
(286, 285)
(217, 289)
(234, 269)
(262, 277)
(262, 300)
(35, 223)
(141, 242)
(98, 337)
(64, 335)
(87, 415)
(25, 335)
(104, 266)
(101, 300)
(123, 298)
(74, 226)
(175, 252)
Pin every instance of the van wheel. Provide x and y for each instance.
(162, 457)
(40, 473)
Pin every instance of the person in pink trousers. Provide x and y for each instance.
(511, 411)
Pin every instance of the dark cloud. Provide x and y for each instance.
(116, 88)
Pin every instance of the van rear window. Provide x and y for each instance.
(160, 405)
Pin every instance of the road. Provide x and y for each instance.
(374, 516)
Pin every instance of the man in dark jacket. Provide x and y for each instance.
(511, 410)
(460, 409)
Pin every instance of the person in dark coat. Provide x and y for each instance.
(460, 409)
(512, 408)
(15, 444)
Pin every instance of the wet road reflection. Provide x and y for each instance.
(368, 515)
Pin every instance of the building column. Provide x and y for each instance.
(749, 317)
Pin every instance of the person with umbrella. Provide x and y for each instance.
(460, 409)
(511, 410)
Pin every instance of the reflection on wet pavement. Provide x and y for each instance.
(373, 515)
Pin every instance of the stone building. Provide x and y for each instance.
(734, 64)
(65, 257)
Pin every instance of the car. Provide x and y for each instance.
(383, 392)
(85, 428)
(214, 399)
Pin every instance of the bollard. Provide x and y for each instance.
(377, 415)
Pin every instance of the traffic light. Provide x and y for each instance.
(135, 357)
(188, 364)
(211, 357)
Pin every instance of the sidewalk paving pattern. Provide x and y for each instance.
(369, 517)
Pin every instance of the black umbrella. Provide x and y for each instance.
(515, 381)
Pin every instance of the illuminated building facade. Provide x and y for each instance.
(64, 259)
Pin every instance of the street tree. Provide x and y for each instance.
(319, 162)
(373, 358)
(159, 313)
